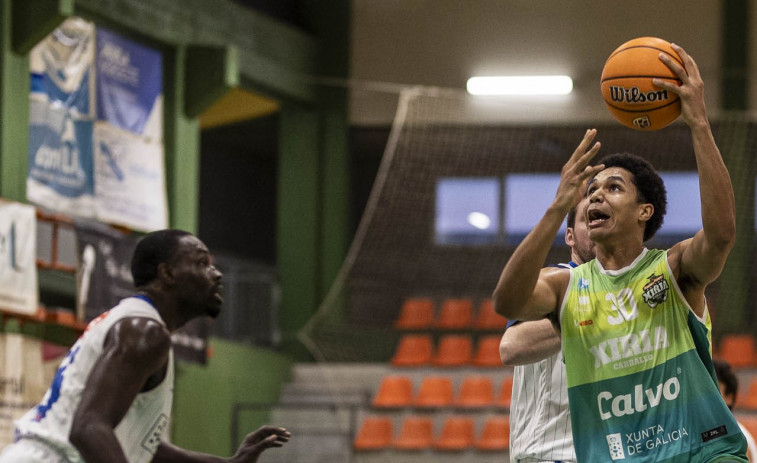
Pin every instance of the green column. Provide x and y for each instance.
(298, 225)
(182, 147)
(733, 139)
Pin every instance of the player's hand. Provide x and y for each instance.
(691, 90)
(256, 442)
(576, 171)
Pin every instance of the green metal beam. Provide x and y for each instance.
(273, 57)
(209, 73)
(735, 54)
(33, 20)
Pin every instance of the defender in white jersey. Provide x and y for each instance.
(601, 310)
(540, 429)
(110, 400)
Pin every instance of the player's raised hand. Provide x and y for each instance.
(256, 442)
(577, 170)
(691, 90)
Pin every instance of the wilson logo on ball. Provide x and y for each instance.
(628, 89)
(620, 94)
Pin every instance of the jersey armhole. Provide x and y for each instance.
(559, 311)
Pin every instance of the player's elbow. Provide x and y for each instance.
(83, 432)
(505, 305)
(507, 354)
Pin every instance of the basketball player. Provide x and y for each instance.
(111, 397)
(539, 417)
(641, 384)
(728, 383)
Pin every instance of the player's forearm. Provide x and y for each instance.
(716, 190)
(97, 443)
(168, 453)
(528, 342)
(519, 277)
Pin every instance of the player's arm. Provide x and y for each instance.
(528, 342)
(254, 444)
(135, 349)
(701, 259)
(523, 292)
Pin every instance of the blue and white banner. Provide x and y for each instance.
(61, 168)
(18, 258)
(60, 173)
(129, 85)
(61, 68)
(130, 187)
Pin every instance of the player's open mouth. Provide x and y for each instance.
(596, 217)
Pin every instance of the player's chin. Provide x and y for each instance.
(213, 309)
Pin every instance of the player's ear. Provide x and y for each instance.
(646, 211)
(165, 272)
(570, 238)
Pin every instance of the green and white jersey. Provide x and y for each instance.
(641, 384)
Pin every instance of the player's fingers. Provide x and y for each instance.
(588, 156)
(581, 149)
(674, 66)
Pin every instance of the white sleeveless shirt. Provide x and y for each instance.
(141, 429)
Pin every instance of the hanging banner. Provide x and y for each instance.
(18, 251)
(61, 168)
(61, 68)
(103, 275)
(60, 173)
(130, 187)
(129, 85)
(27, 367)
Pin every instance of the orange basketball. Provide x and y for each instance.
(627, 86)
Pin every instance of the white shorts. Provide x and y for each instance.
(30, 451)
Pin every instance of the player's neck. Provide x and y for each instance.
(618, 256)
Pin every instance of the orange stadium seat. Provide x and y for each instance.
(476, 391)
(455, 314)
(453, 351)
(738, 350)
(435, 391)
(413, 350)
(394, 392)
(487, 318)
(416, 314)
(496, 434)
(416, 433)
(375, 433)
(457, 434)
(487, 352)
(505, 392)
(748, 398)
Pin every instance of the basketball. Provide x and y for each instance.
(627, 87)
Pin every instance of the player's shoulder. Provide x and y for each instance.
(140, 336)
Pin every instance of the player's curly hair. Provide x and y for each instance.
(649, 184)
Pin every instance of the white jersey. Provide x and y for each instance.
(141, 429)
(539, 418)
(540, 428)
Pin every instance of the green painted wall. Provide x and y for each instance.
(205, 395)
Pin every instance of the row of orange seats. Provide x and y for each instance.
(415, 350)
(454, 314)
(476, 391)
(417, 433)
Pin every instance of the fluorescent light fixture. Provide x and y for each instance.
(479, 220)
(520, 85)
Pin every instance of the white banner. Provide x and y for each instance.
(25, 374)
(130, 187)
(18, 251)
